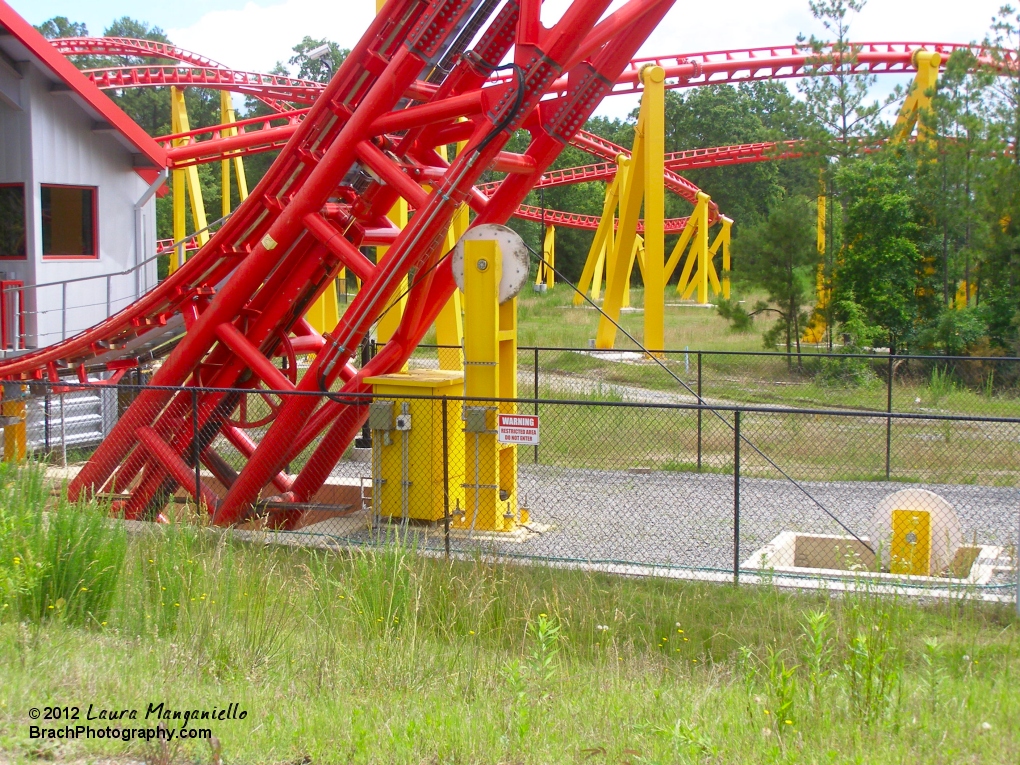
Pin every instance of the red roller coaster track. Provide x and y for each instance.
(367, 140)
(242, 295)
(686, 70)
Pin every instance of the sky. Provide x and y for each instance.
(253, 36)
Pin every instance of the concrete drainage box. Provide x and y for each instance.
(941, 557)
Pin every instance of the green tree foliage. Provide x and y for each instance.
(61, 26)
(780, 256)
(837, 100)
(722, 115)
(319, 69)
(882, 263)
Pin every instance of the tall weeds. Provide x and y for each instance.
(61, 563)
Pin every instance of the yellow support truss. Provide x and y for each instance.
(546, 274)
(918, 97)
(643, 182)
(185, 183)
(699, 274)
(602, 246)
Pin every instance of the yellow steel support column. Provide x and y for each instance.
(602, 244)
(450, 322)
(227, 116)
(653, 268)
(490, 349)
(545, 274)
(815, 330)
(14, 412)
(620, 260)
(389, 322)
(918, 97)
(186, 178)
(637, 255)
(722, 241)
(698, 271)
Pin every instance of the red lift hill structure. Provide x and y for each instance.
(244, 348)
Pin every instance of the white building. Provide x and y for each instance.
(77, 184)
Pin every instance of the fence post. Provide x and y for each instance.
(888, 421)
(736, 497)
(46, 421)
(1016, 558)
(63, 433)
(195, 446)
(536, 396)
(446, 483)
(700, 411)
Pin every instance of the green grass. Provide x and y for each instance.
(386, 656)
(812, 447)
(551, 320)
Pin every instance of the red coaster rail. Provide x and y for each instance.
(363, 144)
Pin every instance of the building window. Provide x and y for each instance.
(12, 220)
(69, 222)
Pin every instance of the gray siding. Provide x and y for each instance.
(52, 140)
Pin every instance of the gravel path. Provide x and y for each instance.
(680, 519)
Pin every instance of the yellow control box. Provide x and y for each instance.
(407, 443)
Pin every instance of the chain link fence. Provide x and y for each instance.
(809, 496)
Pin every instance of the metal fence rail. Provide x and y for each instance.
(815, 496)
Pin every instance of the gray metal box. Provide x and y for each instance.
(380, 415)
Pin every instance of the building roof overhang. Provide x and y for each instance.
(21, 44)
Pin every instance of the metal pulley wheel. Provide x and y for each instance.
(514, 255)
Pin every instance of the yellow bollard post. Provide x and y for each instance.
(14, 413)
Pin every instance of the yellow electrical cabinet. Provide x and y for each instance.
(408, 443)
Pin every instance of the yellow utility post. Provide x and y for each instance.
(918, 97)
(185, 182)
(490, 350)
(14, 413)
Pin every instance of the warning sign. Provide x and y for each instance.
(518, 429)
